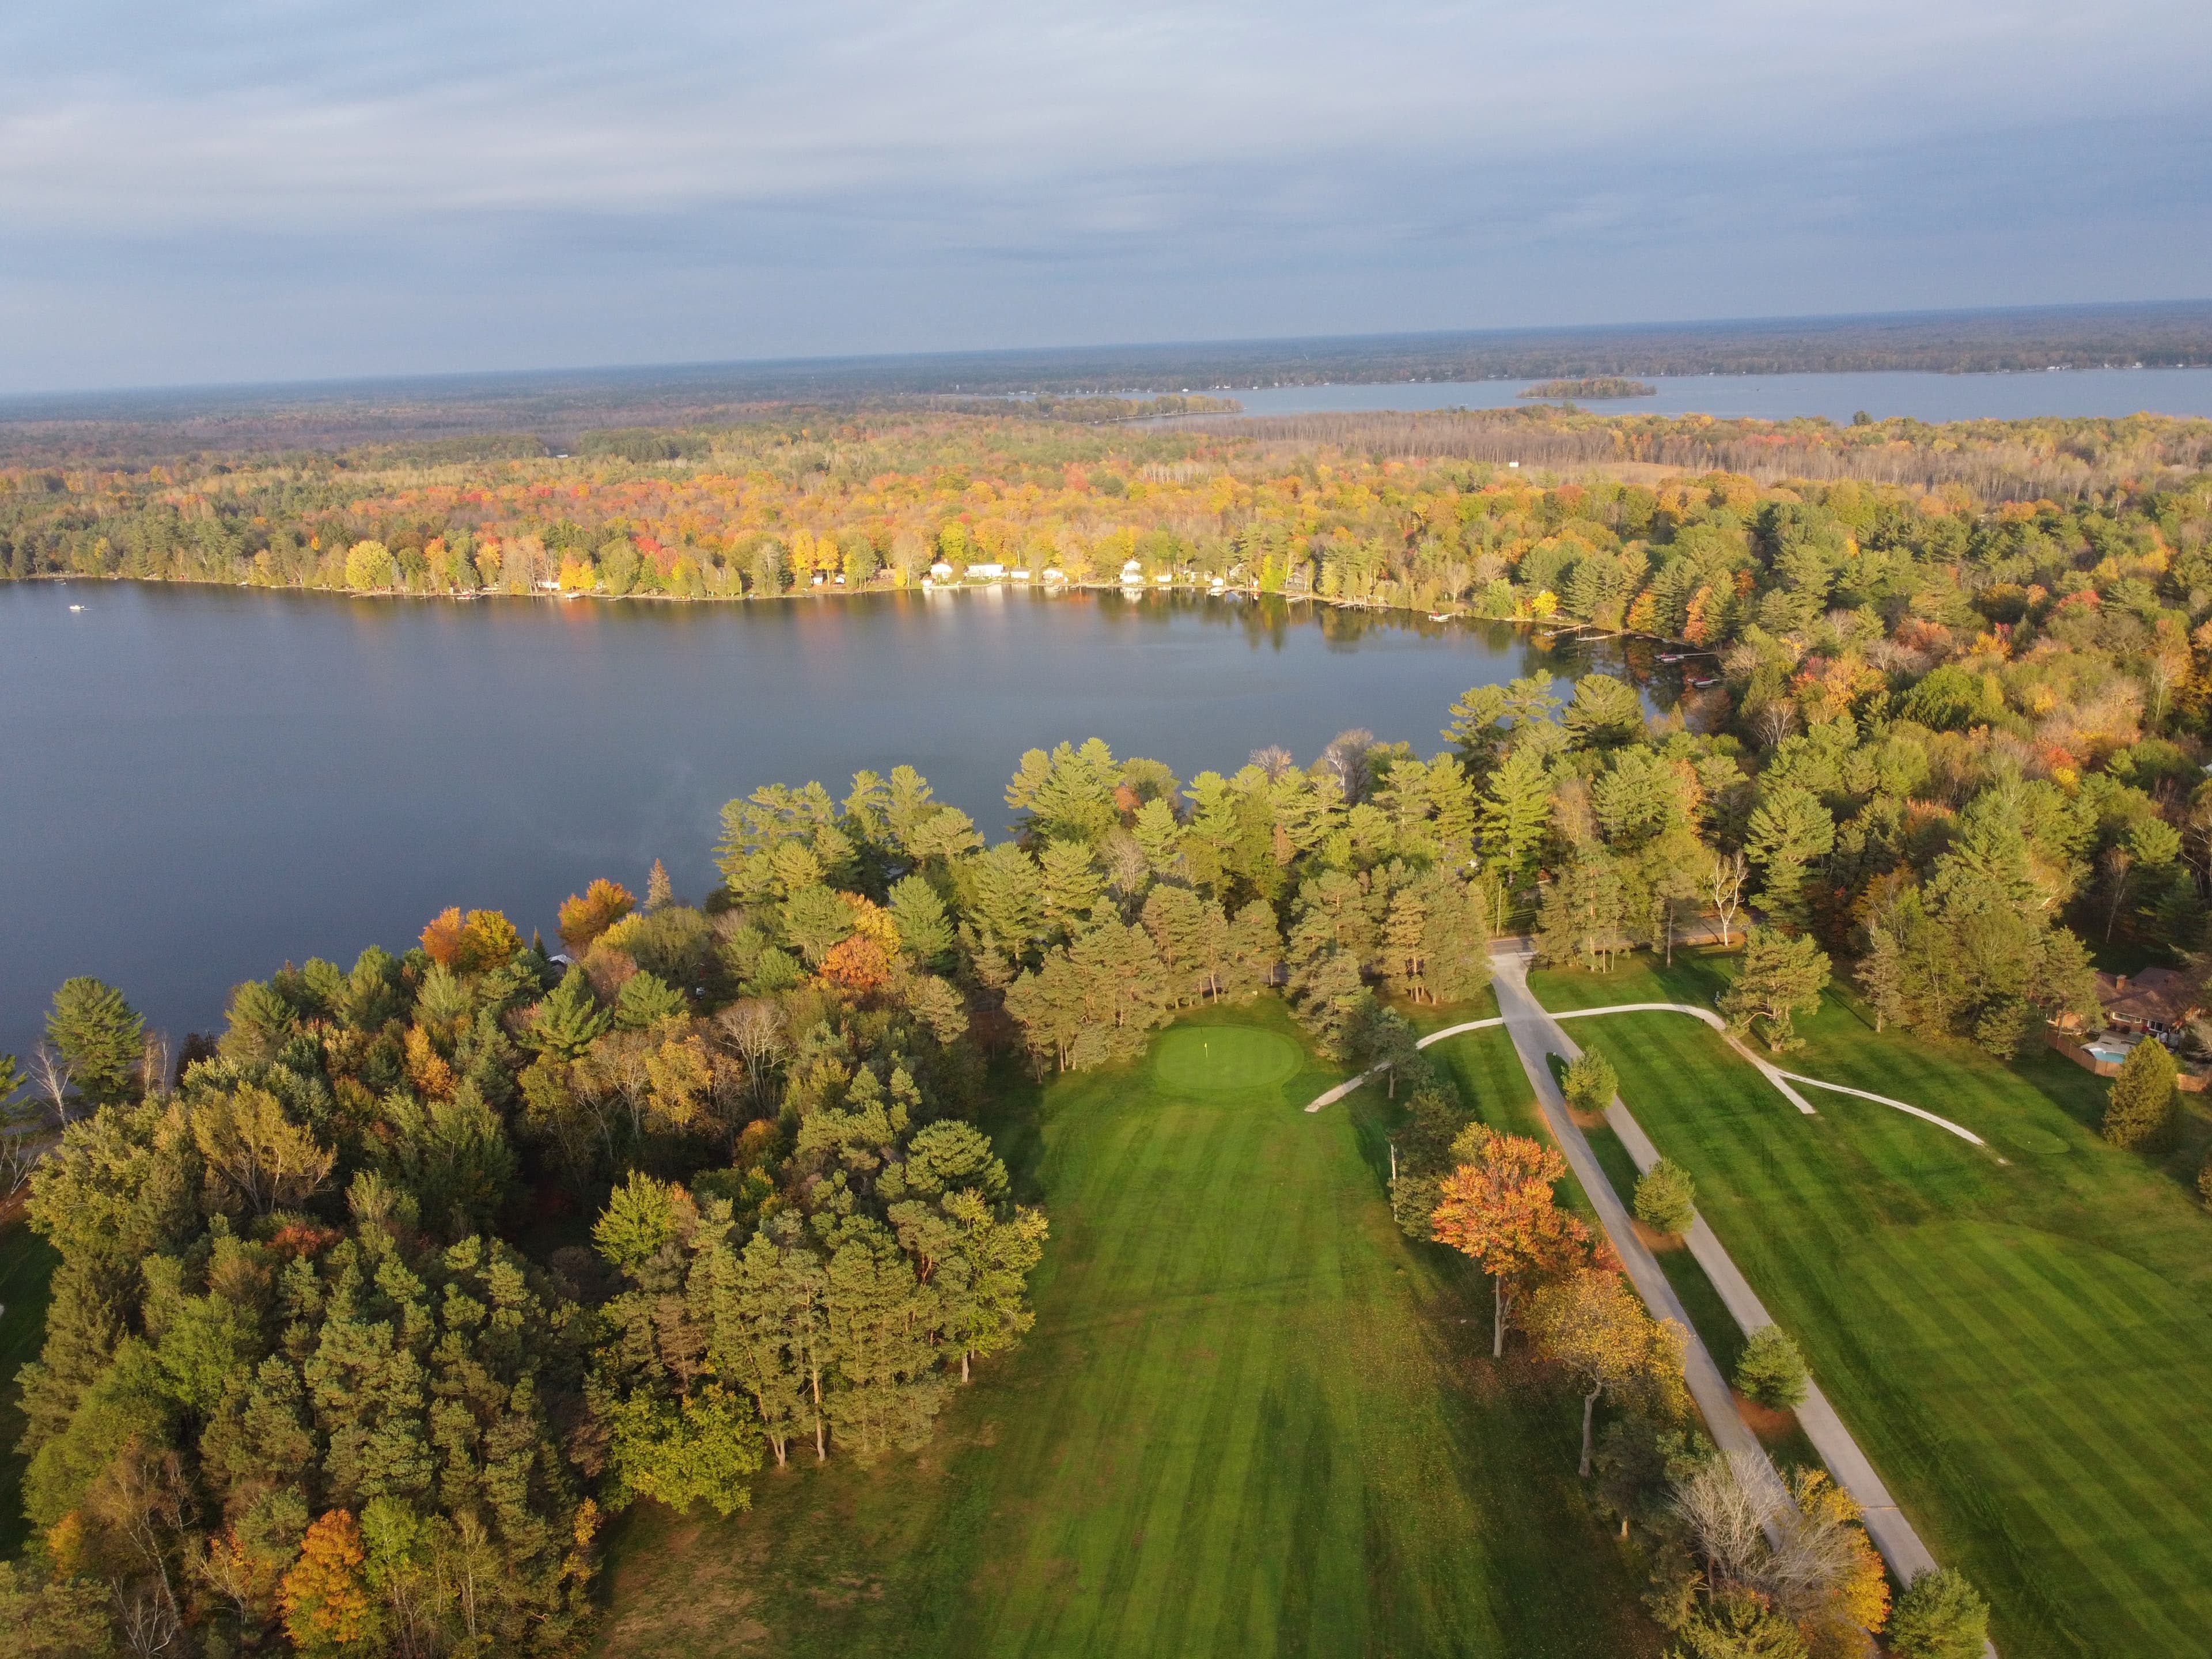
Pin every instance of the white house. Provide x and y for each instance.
(941, 571)
(989, 571)
(1132, 574)
(1054, 573)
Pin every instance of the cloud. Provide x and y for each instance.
(272, 187)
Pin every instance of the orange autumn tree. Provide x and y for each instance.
(585, 916)
(1499, 1210)
(326, 1596)
(861, 962)
(470, 944)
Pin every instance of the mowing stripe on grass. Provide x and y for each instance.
(1249, 1420)
(2024, 1350)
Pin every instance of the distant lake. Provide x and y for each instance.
(1780, 396)
(199, 784)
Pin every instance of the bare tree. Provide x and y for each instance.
(143, 1498)
(1730, 1507)
(1727, 876)
(754, 1030)
(52, 1072)
(1128, 872)
(1274, 760)
(154, 1064)
(1776, 719)
(1345, 759)
(2117, 862)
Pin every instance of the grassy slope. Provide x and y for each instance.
(2024, 1348)
(1250, 1421)
(26, 1264)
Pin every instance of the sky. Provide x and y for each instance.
(244, 191)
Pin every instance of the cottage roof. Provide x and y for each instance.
(2156, 993)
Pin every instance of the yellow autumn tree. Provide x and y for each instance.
(325, 1595)
(586, 916)
(370, 566)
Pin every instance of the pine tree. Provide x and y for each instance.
(1781, 977)
(1515, 816)
(1666, 1197)
(568, 1021)
(1940, 1616)
(100, 1037)
(1255, 949)
(1772, 1370)
(2143, 1104)
(879, 1322)
(1405, 933)
(1582, 922)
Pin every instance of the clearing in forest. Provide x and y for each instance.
(2024, 1348)
(1250, 1420)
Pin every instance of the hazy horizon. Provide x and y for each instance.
(257, 193)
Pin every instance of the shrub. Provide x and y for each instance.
(1940, 1616)
(1666, 1197)
(1772, 1370)
(1591, 1083)
(2141, 1109)
(1739, 1626)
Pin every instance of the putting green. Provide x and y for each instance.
(1216, 1059)
(2029, 1141)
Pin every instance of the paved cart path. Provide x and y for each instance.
(1536, 1035)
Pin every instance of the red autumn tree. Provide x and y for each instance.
(1499, 1210)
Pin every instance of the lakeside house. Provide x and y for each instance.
(2157, 1003)
(2154, 997)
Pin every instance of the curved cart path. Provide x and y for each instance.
(1537, 1035)
(1781, 1080)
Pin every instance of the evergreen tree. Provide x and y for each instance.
(1515, 818)
(2141, 1110)
(1781, 977)
(1940, 1616)
(567, 1022)
(1790, 829)
(1591, 1082)
(1255, 949)
(1772, 1370)
(1582, 922)
(1666, 1198)
(100, 1037)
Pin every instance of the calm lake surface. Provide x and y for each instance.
(201, 784)
(2083, 391)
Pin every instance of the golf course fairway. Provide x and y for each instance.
(1253, 1418)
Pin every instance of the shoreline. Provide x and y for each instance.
(1195, 589)
(1550, 629)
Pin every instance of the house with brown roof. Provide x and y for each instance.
(2155, 996)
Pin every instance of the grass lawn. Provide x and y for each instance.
(26, 1263)
(1252, 1420)
(2024, 1347)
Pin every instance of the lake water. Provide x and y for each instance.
(203, 783)
(2085, 392)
